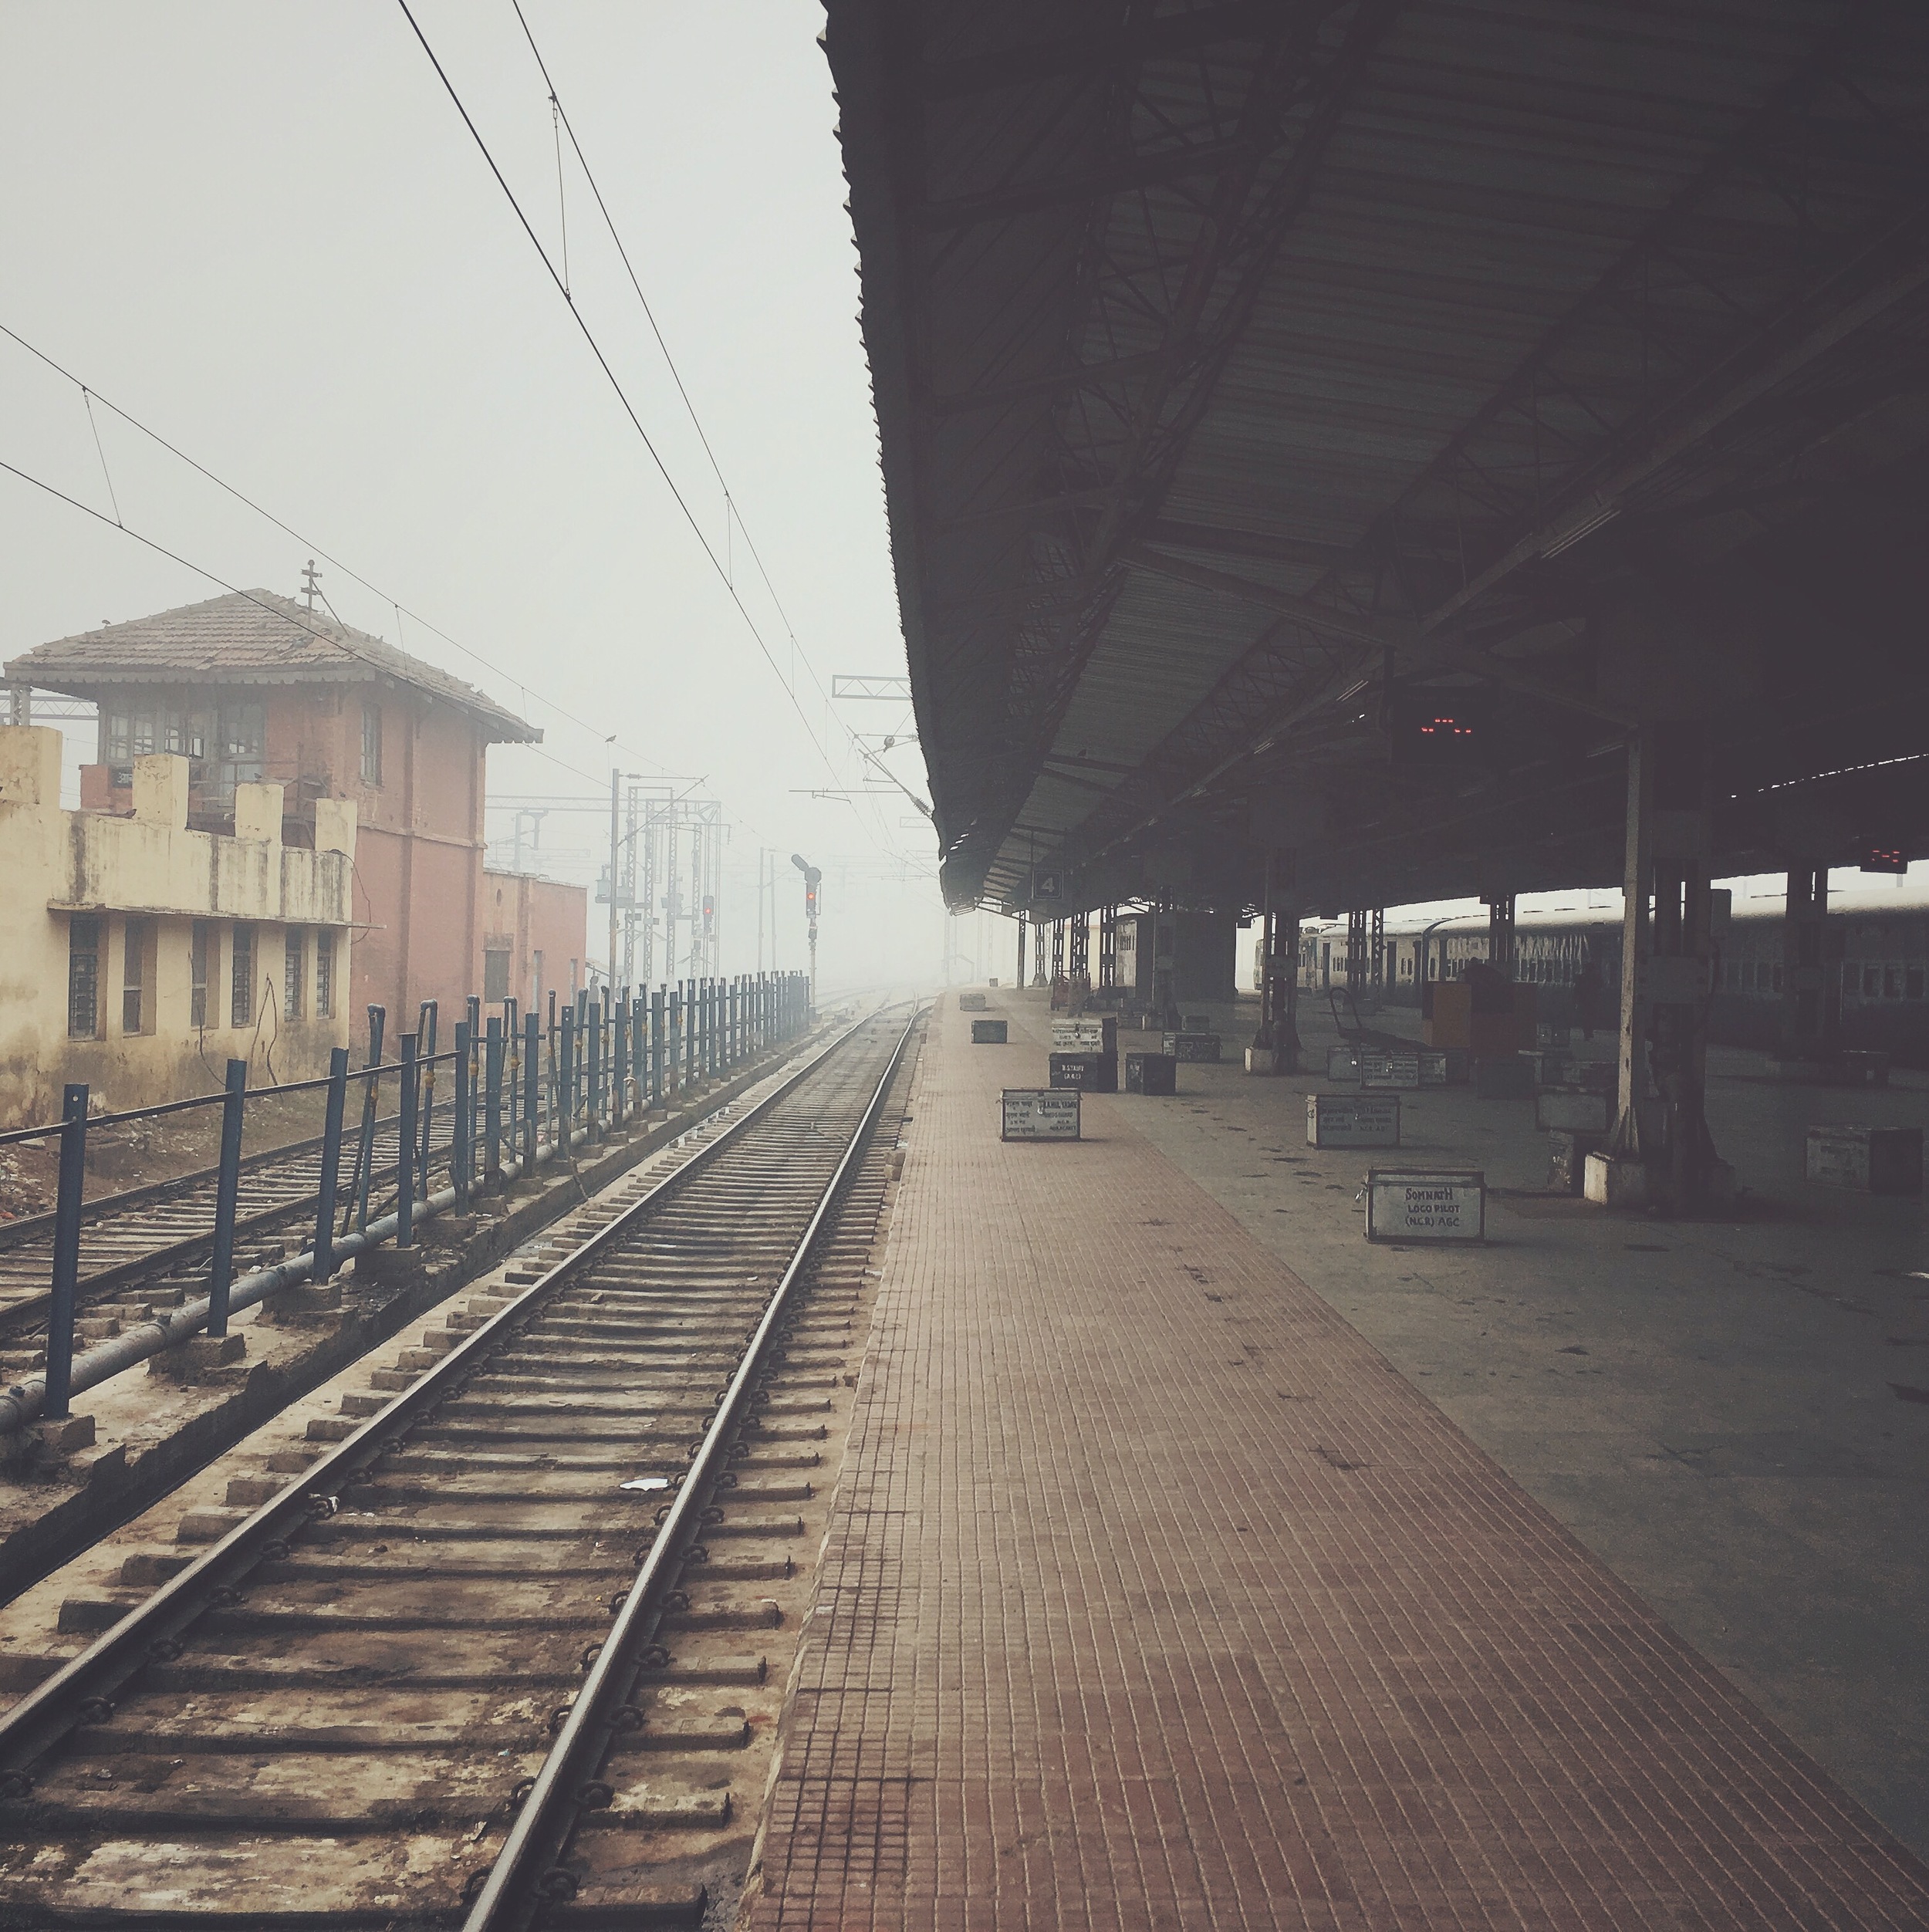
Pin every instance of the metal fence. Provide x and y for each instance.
(522, 1088)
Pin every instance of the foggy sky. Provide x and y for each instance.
(263, 229)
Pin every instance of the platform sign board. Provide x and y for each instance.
(1353, 1119)
(1412, 1203)
(1583, 1113)
(1195, 1023)
(1041, 1113)
(1342, 1063)
(1867, 1161)
(1199, 1047)
(1390, 1072)
(971, 1002)
(989, 1033)
(1099, 1035)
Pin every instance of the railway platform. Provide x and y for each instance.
(1195, 1564)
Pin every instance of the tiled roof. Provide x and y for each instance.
(247, 637)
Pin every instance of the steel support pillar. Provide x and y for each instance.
(1276, 1045)
(1660, 1151)
(1108, 945)
(1811, 981)
(1038, 953)
(1355, 949)
(1019, 979)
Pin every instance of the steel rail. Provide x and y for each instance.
(523, 1878)
(152, 1630)
(25, 1314)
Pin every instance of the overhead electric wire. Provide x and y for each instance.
(732, 514)
(201, 569)
(595, 348)
(262, 510)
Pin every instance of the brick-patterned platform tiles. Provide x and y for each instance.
(1156, 1599)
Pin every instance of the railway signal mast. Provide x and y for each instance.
(813, 876)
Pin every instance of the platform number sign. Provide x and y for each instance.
(1441, 725)
(1048, 886)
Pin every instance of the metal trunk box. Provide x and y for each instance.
(988, 1032)
(1868, 1160)
(1353, 1119)
(1342, 1063)
(1093, 1072)
(1097, 1035)
(1037, 1114)
(1576, 1111)
(971, 1002)
(1198, 1047)
(1195, 1022)
(1157, 1074)
(1412, 1203)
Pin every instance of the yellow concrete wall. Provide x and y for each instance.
(54, 864)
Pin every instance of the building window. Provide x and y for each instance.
(495, 973)
(137, 973)
(294, 957)
(241, 981)
(1871, 981)
(83, 978)
(200, 947)
(572, 978)
(536, 980)
(324, 976)
(1892, 982)
(371, 744)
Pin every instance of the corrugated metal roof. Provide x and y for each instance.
(1372, 292)
(249, 637)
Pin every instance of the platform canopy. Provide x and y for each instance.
(1255, 380)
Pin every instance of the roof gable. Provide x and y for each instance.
(249, 637)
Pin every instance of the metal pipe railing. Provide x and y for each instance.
(597, 1061)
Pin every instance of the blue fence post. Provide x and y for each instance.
(593, 1070)
(464, 1120)
(66, 1253)
(426, 1036)
(331, 1164)
(619, 1061)
(227, 1192)
(474, 1017)
(492, 1103)
(405, 1163)
(532, 1064)
(511, 1067)
(656, 1047)
(371, 1104)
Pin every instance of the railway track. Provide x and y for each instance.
(486, 1662)
(163, 1233)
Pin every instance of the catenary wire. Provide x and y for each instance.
(201, 569)
(308, 543)
(709, 550)
(733, 513)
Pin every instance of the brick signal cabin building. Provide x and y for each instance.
(255, 689)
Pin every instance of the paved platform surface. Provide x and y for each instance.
(1156, 1597)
